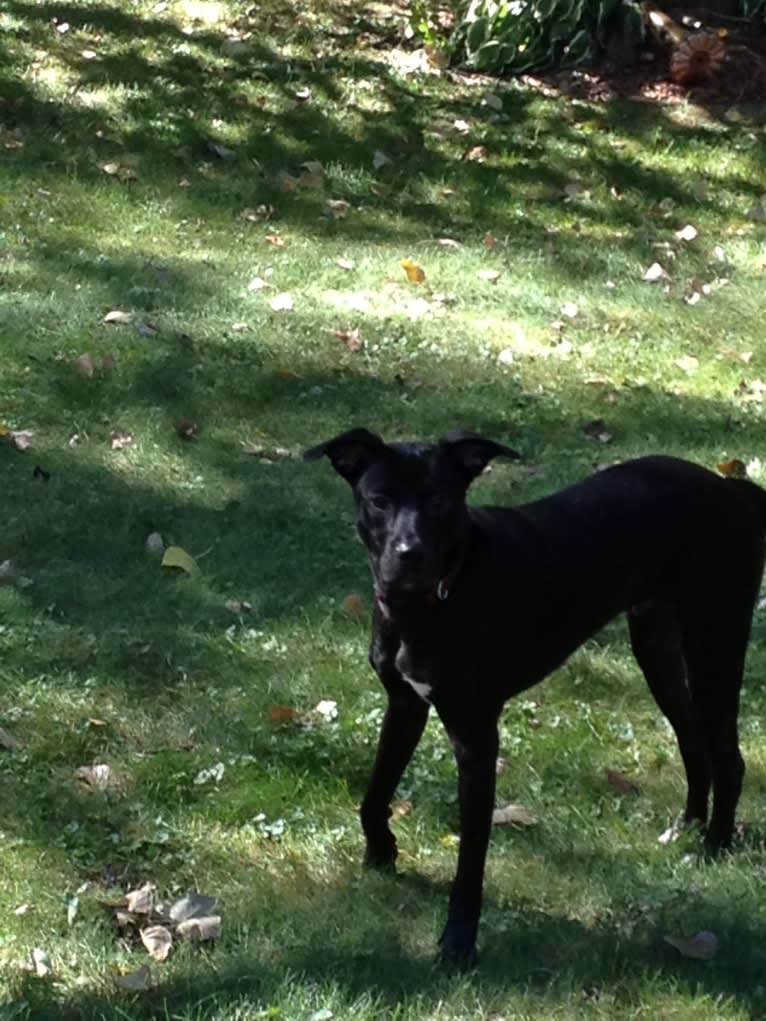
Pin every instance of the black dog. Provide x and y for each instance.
(475, 604)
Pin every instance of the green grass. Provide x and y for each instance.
(106, 657)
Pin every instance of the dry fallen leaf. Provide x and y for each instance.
(158, 941)
(476, 154)
(513, 814)
(415, 274)
(282, 302)
(353, 605)
(40, 963)
(118, 317)
(687, 233)
(338, 208)
(655, 273)
(350, 339)
(192, 905)
(119, 439)
(283, 714)
(135, 981)
(702, 946)
(275, 239)
(21, 439)
(141, 901)
(98, 776)
(176, 556)
(154, 544)
(400, 808)
(84, 365)
(490, 241)
(621, 783)
(734, 469)
(199, 930)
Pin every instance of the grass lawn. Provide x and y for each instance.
(242, 184)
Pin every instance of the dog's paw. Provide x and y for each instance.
(381, 856)
(457, 946)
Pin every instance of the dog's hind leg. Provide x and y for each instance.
(656, 640)
(715, 654)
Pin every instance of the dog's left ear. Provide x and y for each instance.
(351, 452)
(472, 453)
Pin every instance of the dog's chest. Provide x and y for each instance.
(415, 669)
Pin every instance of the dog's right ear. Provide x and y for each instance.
(351, 453)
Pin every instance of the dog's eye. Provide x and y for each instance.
(380, 503)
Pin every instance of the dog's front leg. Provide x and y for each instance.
(402, 728)
(475, 749)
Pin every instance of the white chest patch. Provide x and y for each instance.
(424, 690)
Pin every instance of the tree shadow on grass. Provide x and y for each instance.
(168, 119)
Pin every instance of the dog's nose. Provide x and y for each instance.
(409, 550)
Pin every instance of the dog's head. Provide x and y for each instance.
(410, 503)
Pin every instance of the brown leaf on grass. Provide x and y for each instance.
(140, 901)
(200, 930)
(187, 429)
(515, 815)
(158, 942)
(597, 430)
(275, 239)
(733, 469)
(353, 605)
(476, 154)
(350, 339)
(415, 274)
(621, 783)
(281, 714)
(135, 981)
(84, 365)
(118, 317)
(120, 439)
(490, 241)
(702, 946)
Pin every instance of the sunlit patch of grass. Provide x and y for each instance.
(106, 657)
